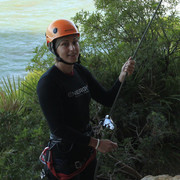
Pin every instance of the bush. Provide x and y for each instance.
(146, 114)
(24, 132)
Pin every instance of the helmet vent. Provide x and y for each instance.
(66, 30)
(55, 30)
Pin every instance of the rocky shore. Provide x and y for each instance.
(161, 177)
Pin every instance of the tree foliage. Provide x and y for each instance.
(24, 132)
(147, 113)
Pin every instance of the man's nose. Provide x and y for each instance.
(71, 46)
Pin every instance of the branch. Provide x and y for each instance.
(125, 168)
(174, 47)
(101, 176)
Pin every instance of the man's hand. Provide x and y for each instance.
(128, 68)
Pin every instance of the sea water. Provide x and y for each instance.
(22, 28)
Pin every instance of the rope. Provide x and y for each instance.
(115, 100)
(135, 52)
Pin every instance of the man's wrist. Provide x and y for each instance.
(97, 145)
(93, 142)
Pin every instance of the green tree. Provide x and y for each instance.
(147, 114)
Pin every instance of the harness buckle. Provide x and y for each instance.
(43, 174)
(78, 164)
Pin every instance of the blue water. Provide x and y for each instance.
(22, 27)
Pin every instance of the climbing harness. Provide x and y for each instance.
(46, 158)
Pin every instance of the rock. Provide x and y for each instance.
(161, 177)
(176, 177)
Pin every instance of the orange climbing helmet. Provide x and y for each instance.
(60, 28)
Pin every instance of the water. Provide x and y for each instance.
(22, 27)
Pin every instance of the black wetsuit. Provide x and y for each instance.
(65, 100)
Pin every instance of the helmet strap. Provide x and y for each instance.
(63, 61)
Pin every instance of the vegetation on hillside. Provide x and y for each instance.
(147, 112)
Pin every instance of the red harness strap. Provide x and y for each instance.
(61, 176)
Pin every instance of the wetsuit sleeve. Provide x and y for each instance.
(98, 92)
(50, 99)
